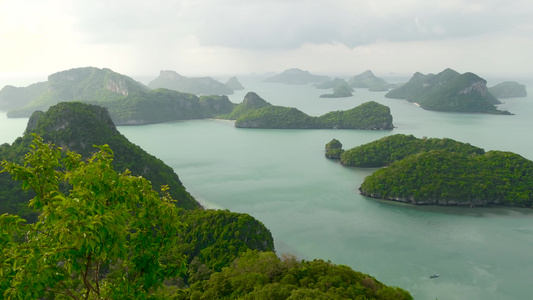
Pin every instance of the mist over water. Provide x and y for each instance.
(312, 205)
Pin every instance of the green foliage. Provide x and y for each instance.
(334, 149)
(448, 91)
(444, 177)
(251, 102)
(276, 117)
(77, 126)
(369, 115)
(215, 238)
(395, 147)
(109, 236)
(262, 275)
(163, 105)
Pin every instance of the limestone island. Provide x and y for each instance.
(449, 91)
(296, 76)
(341, 89)
(234, 84)
(195, 85)
(508, 89)
(442, 172)
(368, 80)
(255, 112)
(128, 101)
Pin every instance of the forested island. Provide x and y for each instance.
(508, 89)
(439, 172)
(129, 102)
(449, 91)
(95, 227)
(296, 76)
(255, 112)
(368, 80)
(195, 85)
(341, 89)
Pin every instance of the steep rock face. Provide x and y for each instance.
(171, 80)
(448, 91)
(508, 89)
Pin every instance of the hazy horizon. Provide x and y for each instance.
(231, 37)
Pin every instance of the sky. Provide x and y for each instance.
(234, 37)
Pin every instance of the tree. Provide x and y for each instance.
(100, 234)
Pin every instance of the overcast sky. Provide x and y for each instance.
(234, 37)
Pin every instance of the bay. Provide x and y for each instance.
(312, 205)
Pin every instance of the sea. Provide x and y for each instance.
(312, 205)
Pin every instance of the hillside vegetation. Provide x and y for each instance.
(452, 178)
(391, 148)
(254, 112)
(77, 126)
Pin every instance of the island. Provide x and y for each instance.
(382, 152)
(449, 91)
(255, 112)
(439, 172)
(368, 80)
(341, 89)
(79, 84)
(195, 85)
(97, 220)
(508, 89)
(296, 76)
(128, 101)
(334, 149)
(234, 84)
(440, 177)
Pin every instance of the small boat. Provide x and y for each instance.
(434, 276)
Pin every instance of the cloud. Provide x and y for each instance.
(284, 25)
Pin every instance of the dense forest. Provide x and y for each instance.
(255, 112)
(455, 178)
(391, 148)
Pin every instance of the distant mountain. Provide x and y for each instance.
(234, 84)
(255, 112)
(198, 86)
(448, 91)
(368, 80)
(508, 89)
(80, 84)
(341, 90)
(17, 97)
(296, 76)
(77, 126)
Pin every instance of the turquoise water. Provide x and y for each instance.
(312, 206)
